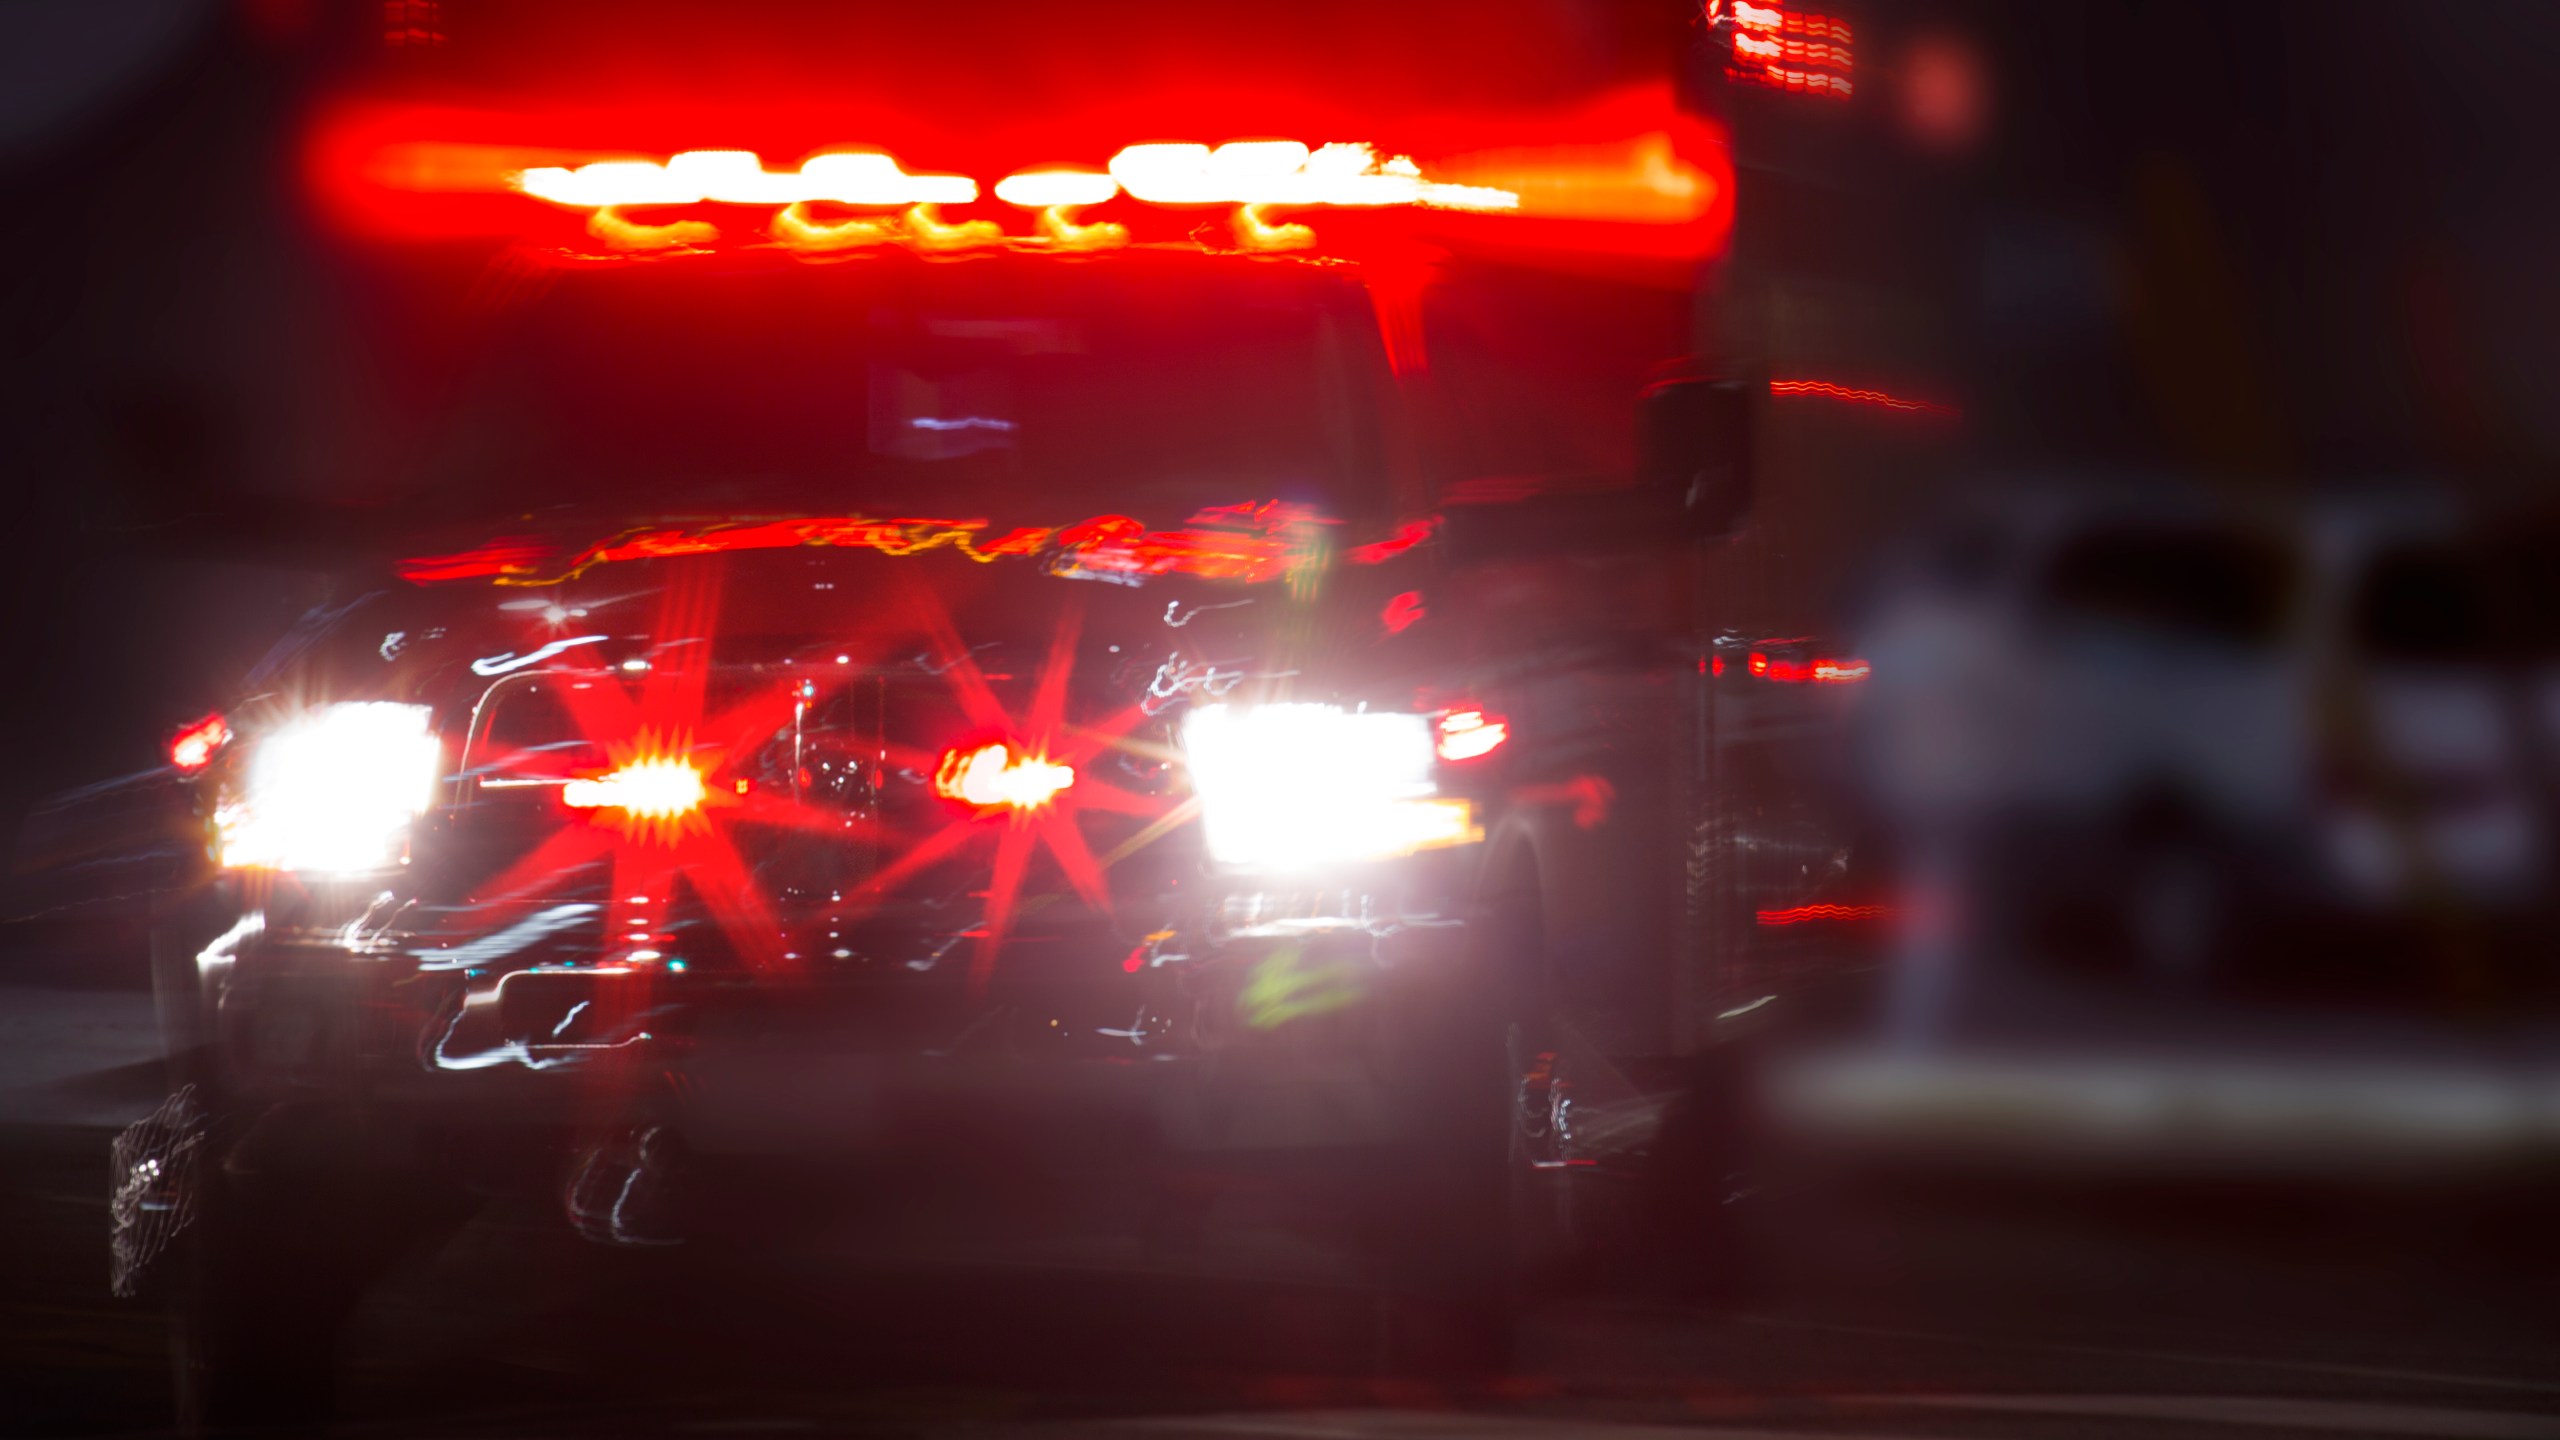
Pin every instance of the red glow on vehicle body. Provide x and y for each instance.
(1256, 542)
(1626, 173)
(1401, 611)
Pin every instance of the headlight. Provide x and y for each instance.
(332, 792)
(1291, 786)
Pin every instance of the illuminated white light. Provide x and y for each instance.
(506, 660)
(1040, 189)
(1292, 786)
(655, 789)
(607, 182)
(738, 177)
(1284, 172)
(333, 792)
(875, 179)
(734, 176)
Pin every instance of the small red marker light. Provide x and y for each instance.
(195, 746)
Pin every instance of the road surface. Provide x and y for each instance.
(1915, 1316)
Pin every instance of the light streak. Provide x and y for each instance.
(1803, 914)
(1825, 390)
(506, 661)
(737, 177)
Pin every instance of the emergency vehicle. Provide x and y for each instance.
(1206, 626)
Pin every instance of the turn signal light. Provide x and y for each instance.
(997, 775)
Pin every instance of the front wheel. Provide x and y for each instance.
(256, 1296)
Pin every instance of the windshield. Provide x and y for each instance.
(921, 389)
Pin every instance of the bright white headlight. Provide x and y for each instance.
(1291, 786)
(334, 791)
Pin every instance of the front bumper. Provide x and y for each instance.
(1266, 1035)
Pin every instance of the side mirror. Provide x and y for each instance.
(1694, 444)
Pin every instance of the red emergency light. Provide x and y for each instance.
(1628, 174)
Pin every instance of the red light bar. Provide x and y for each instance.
(417, 172)
(1251, 543)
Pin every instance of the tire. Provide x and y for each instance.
(1708, 1190)
(257, 1298)
(1480, 1226)
(292, 1227)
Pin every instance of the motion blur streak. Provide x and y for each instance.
(1802, 914)
(1825, 390)
(1819, 671)
(927, 230)
(1627, 163)
(1253, 232)
(608, 225)
(1643, 180)
(1059, 228)
(795, 230)
(737, 177)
